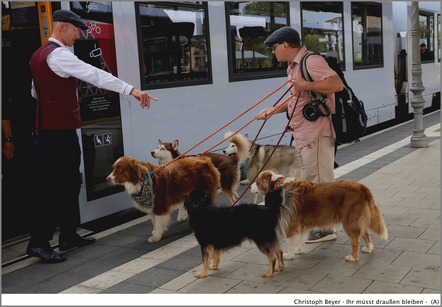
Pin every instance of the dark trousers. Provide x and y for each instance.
(57, 183)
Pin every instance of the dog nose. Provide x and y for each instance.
(152, 153)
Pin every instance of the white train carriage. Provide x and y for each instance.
(206, 62)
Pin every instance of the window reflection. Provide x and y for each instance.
(322, 24)
(426, 34)
(367, 35)
(250, 24)
(174, 40)
(438, 35)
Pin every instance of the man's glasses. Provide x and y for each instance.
(75, 29)
(274, 47)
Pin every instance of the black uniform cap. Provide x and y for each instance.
(70, 17)
(284, 34)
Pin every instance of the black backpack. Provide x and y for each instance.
(350, 119)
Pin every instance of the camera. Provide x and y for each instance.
(313, 109)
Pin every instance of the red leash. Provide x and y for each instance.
(285, 130)
(225, 126)
(288, 98)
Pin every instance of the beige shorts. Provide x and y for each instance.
(318, 159)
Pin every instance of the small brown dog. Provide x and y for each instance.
(228, 166)
(322, 205)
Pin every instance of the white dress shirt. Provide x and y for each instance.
(66, 64)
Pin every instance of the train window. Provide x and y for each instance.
(438, 35)
(249, 23)
(322, 29)
(174, 40)
(367, 35)
(426, 37)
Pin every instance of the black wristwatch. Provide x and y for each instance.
(9, 139)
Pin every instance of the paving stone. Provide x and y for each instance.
(405, 232)
(341, 284)
(380, 287)
(128, 288)
(337, 267)
(411, 245)
(254, 288)
(383, 272)
(418, 260)
(210, 284)
(423, 278)
(299, 279)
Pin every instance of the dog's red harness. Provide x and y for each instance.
(278, 182)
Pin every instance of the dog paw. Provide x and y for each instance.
(200, 275)
(366, 250)
(267, 275)
(213, 267)
(350, 258)
(154, 239)
(279, 268)
(288, 256)
(298, 251)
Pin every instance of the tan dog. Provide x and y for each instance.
(171, 184)
(322, 205)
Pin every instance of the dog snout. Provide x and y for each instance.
(153, 154)
(110, 179)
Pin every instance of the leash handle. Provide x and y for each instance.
(271, 154)
(262, 126)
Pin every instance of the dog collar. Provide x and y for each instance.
(145, 197)
(278, 182)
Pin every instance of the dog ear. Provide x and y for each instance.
(134, 171)
(175, 145)
(159, 142)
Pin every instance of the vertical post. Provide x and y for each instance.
(418, 139)
(45, 18)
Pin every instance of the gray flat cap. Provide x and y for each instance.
(70, 17)
(284, 34)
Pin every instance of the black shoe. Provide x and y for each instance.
(77, 242)
(46, 254)
(321, 236)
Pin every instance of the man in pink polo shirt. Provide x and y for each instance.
(313, 139)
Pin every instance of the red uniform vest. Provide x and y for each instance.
(57, 96)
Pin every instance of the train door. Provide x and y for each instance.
(101, 132)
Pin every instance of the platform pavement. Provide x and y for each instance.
(405, 183)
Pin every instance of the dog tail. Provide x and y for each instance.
(377, 224)
(242, 145)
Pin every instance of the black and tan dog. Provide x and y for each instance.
(218, 228)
